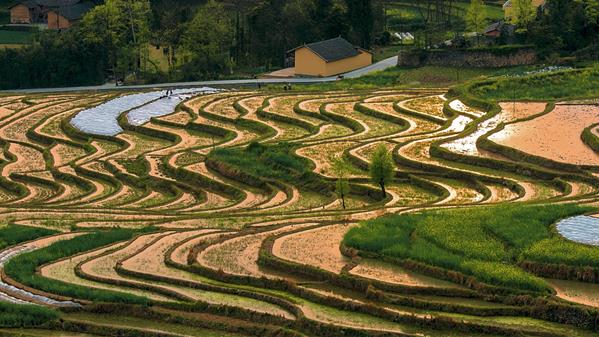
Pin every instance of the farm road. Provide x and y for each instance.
(381, 65)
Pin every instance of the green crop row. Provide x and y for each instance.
(273, 161)
(23, 316)
(569, 84)
(23, 267)
(13, 234)
(484, 242)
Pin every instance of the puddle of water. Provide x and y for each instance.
(102, 119)
(581, 229)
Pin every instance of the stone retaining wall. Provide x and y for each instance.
(468, 58)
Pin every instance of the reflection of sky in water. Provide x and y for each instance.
(582, 229)
(457, 105)
(7, 255)
(102, 119)
(467, 145)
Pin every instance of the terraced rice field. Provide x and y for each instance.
(233, 227)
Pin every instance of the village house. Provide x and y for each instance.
(328, 58)
(56, 14)
(497, 29)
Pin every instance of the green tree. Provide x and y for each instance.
(169, 28)
(330, 19)
(342, 187)
(209, 38)
(523, 14)
(476, 17)
(591, 8)
(381, 167)
(123, 28)
(361, 19)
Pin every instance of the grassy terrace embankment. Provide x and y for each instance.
(554, 85)
(485, 242)
(221, 217)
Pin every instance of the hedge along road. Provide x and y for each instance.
(381, 65)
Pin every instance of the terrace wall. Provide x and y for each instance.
(478, 58)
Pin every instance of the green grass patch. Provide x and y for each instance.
(569, 84)
(15, 37)
(147, 324)
(24, 316)
(559, 251)
(273, 162)
(189, 158)
(23, 267)
(13, 234)
(484, 242)
(138, 166)
(402, 77)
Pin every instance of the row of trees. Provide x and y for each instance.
(567, 26)
(559, 26)
(381, 172)
(244, 34)
(202, 41)
(57, 60)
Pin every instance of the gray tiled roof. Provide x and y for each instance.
(333, 49)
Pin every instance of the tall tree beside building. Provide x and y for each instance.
(565, 25)
(330, 18)
(208, 40)
(276, 26)
(123, 28)
(476, 17)
(524, 14)
(361, 20)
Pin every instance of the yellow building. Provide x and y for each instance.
(508, 8)
(331, 57)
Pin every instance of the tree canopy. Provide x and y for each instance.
(381, 167)
(476, 16)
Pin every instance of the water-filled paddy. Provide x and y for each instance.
(102, 119)
(582, 229)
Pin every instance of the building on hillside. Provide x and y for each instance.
(66, 16)
(508, 8)
(499, 28)
(57, 14)
(327, 58)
